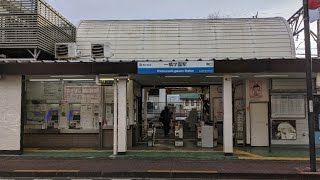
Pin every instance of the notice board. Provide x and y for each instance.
(288, 106)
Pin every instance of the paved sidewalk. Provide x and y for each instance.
(15, 166)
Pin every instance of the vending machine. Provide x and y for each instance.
(52, 119)
(74, 117)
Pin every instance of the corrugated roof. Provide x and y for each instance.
(189, 39)
(87, 60)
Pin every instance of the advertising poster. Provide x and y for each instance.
(284, 130)
(255, 89)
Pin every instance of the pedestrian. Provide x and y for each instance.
(206, 111)
(165, 118)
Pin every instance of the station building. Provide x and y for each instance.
(108, 87)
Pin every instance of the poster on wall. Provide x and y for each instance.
(82, 94)
(284, 130)
(218, 109)
(255, 88)
(288, 106)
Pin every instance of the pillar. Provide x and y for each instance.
(120, 116)
(162, 99)
(145, 110)
(10, 114)
(115, 117)
(130, 97)
(227, 116)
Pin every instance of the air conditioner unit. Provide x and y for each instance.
(100, 50)
(65, 50)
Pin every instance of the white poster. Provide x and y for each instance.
(288, 106)
(86, 114)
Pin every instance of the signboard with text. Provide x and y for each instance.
(176, 67)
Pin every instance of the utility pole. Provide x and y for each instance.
(308, 66)
(318, 38)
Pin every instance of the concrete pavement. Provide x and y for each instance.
(15, 166)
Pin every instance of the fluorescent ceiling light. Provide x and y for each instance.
(271, 75)
(40, 80)
(206, 82)
(221, 76)
(106, 79)
(78, 79)
(66, 76)
(177, 76)
(175, 83)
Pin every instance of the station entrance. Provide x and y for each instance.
(189, 123)
(91, 111)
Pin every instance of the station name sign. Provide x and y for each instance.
(176, 67)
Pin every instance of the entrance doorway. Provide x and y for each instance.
(259, 124)
(187, 107)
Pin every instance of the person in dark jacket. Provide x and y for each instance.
(165, 118)
(206, 110)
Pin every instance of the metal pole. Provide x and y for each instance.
(318, 38)
(308, 69)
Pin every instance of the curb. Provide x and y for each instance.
(164, 175)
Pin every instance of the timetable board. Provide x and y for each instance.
(288, 106)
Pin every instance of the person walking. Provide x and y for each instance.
(165, 118)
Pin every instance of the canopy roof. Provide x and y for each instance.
(190, 39)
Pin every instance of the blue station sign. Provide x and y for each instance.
(176, 67)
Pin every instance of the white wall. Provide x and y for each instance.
(10, 112)
(264, 98)
(288, 84)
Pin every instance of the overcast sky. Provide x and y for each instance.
(76, 10)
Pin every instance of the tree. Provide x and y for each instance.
(217, 15)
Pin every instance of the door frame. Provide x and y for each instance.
(268, 120)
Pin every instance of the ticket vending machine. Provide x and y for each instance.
(74, 117)
(52, 116)
(52, 119)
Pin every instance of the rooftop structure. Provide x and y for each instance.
(32, 25)
(194, 39)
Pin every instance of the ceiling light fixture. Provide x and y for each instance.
(177, 76)
(272, 75)
(175, 83)
(66, 76)
(221, 76)
(78, 79)
(42, 80)
(106, 79)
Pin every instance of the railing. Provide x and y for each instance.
(33, 24)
